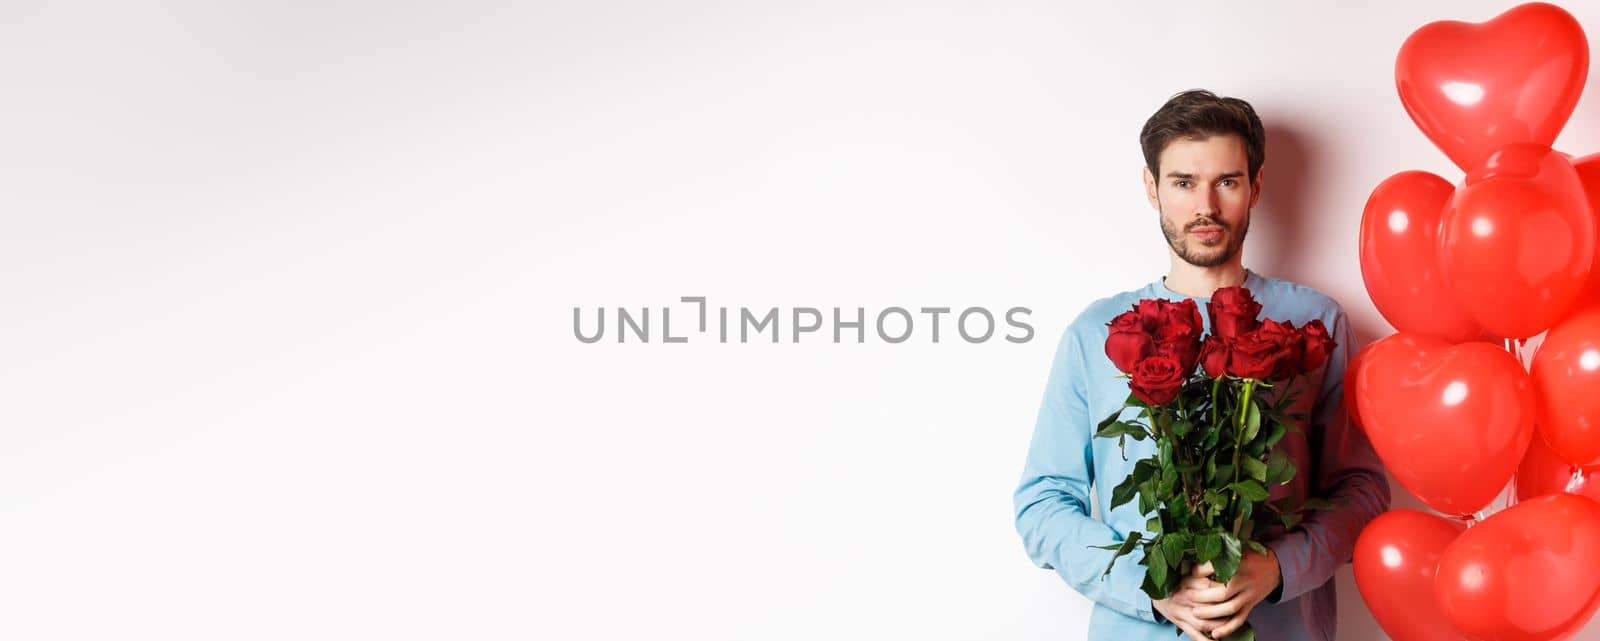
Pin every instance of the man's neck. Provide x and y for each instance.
(1201, 282)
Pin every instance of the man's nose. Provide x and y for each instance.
(1209, 202)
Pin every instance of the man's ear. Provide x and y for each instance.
(1255, 186)
(1150, 189)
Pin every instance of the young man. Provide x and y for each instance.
(1203, 157)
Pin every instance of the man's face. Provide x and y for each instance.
(1204, 197)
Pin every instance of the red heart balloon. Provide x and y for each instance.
(1528, 573)
(1474, 88)
(1542, 472)
(1395, 559)
(1450, 422)
(1352, 409)
(1400, 258)
(1517, 240)
(1588, 168)
(1566, 376)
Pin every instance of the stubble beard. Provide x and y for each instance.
(1178, 239)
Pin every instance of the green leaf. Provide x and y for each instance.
(1291, 519)
(1153, 525)
(1157, 564)
(1122, 550)
(1211, 469)
(1169, 480)
(1173, 547)
(1252, 422)
(1280, 469)
(1108, 420)
(1317, 504)
(1124, 428)
(1275, 433)
(1256, 547)
(1207, 546)
(1144, 470)
(1227, 563)
(1254, 468)
(1156, 592)
(1250, 490)
(1123, 492)
(1147, 497)
(1185, 516)
(1181, 428)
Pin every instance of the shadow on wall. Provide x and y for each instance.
(1281, 236)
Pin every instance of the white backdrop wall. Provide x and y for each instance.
(289, 294)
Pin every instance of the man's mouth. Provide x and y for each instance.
(1209, 232)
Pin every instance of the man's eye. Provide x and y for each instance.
(1227, 182)
(1182, 183)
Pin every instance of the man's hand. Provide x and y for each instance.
(1224, 607)
(1180, 607)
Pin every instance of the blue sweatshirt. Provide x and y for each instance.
(1333, 461)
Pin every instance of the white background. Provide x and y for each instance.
(288, 294)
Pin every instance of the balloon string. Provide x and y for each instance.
(1575, 483)
(1514, 346)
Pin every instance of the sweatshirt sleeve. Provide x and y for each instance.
(1052, 501)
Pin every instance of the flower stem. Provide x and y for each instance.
(1216, 383)
(1238, 444)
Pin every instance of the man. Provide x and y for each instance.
(1203, 157)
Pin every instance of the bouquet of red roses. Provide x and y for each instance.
(1214, 428)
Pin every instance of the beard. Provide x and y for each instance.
(1202, 254)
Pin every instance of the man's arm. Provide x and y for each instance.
(1052, 501)
(1348, 473)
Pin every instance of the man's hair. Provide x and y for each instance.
(1199, 114)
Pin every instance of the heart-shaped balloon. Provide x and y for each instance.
(1395, 559)
(1352, 408)
(1588, 168)
(1450, 422)
(1528, 573)
(1474, 88)
(1566, 379)
(1517, 240)
(1400, 258)
(1542, 472)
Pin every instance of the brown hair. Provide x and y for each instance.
(1198, 113)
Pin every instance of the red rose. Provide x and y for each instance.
(1179, 321)
(1157, 380)
(1178, 333)
(1128, 342)
(1214, 356)
(1289, 340)
(1255, 355)
(1187, 353)
(1233, 312)
(1318, 345)
(1149, 311)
